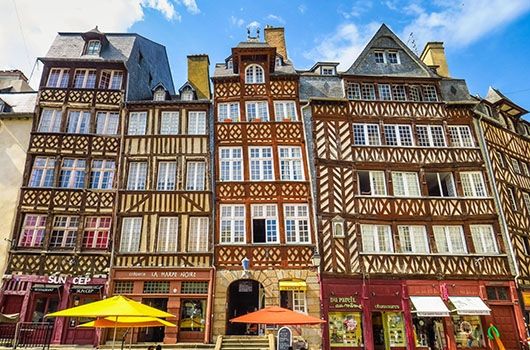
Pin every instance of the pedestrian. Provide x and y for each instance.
(159, 347)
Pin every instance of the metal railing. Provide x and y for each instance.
(26, 335)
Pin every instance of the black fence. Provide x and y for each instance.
(26, 335)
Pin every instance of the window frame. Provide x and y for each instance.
(252, 75)
(198, 181)
(65, 238)
(457, 138)
(137, 123)
(37, 231)
(110, 124)
(448, 239)
(406, 183)
(104, 181)
(169, 122)
(439, 184)
(78, 122)
(50, 120)
(234, 221)
(420, 230)
(93, 50)
(479, 239)
(258, 110)
(233, 163)
(74, 170)
(366, 134)
(264, 208)
(221, 116)
(281, 110)
(166, 179)
(164, 242)
(199, 124)
(397, 129)
(134, 176)
(373, 185)
(261, 165)
(63, 78)
(108, 83)
(199, 239)
(388, 249)
(88, 81)
(46, 175)
(99, 232)
(133, 239)
(430, 137)
(289, 162)
(468, 181)
(298, 222)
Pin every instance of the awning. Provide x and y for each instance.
(429, 307)
(45, 288)
(469, 306)
(293, 285)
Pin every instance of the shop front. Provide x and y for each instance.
(32, 297)
(185, 293)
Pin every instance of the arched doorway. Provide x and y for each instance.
(244, 296)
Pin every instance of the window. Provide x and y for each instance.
(483, 239)
(107, 123)
(328, 71)
(353, 91)
(278, 61)
(232, 224)
(468, 331)
(393, 57)
(296, 223)
(169, 123)
(156, 287)
(231, 163)
(450, 239)
(167, 234)
(102, 174)
(291, 164)
(379, 57)
(258, 109)
(515, 166)
(399, 92)
(261, 168)
(376, 239)
(198, 234)
(111, 79)
(405, 184)
(93, 47)
(500, 158)
(159, 95)
(97, 232)
(32, 233)
(473, 184)
(460, 136)
(72, 174)
(285, 110)
(385, 93)
(187, 94)
(130, 235)
(497, 293)
(43, 172)
(430, 136)
(137, 176)
(254, 74)
(228, 111)
(196, 123)
(429, 93)
(524, 168)
(337, 226)
(137, 123)
(415, 93)
(58, 78)
(195, 176)
(440, 184)
(413, 239)
(64, 231)
(398, 135)
(511, 197)
(78, 122)
(367, 92)
(194, 287)
(264, 223)
(293, 300)
(372, 183)
(166, 176)
(85, 78)
(366, 134)
(526, 198)
(123, 287)
(50, 120)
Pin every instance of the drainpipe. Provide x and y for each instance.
(496, 197)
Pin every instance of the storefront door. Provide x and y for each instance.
(504, 320)
(153, 334)
(244, 296)
(192, 320)
(429, 333)
(388, 330)
(43, 304)
(74, 334)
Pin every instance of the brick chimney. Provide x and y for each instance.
(433, 55)
(275, 36)
(199, 75)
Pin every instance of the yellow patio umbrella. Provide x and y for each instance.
(113, 307)
(127, 322)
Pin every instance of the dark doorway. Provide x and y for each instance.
(244, 296)
(153, 334)
(378, 331)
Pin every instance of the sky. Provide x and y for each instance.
(487, 42)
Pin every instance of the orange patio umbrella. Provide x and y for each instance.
(275, 315)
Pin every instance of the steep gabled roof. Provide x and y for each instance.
(495, 97)
(385, 39)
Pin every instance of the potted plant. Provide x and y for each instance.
(228, 120)
(287, 119)
(257, 120)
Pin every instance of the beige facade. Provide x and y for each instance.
(269, 279)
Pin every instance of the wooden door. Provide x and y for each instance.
(504, 320)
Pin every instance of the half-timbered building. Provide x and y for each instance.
(61, 244)
(264, 241)
(505, 137)
(163, 252)
(413, 256)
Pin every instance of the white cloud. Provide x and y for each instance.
(253, 25)
(238, 22)
(41, 20)
(276, 18)
(343, 45)
(191, 6)
(302, 8)
(357, 9)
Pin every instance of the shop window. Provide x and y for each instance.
(395, 328)
(440, 184)
(123, 287)
(345, 329)
(192, 318)
(429, 332)
(497, 293)
(156, 287)
(293, 300)
(468, 331)
(44, 306)
(194, 287)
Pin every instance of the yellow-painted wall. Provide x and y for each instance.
(199, 76)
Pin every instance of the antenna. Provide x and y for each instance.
(412, 41)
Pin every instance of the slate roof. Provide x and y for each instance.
(19, 102)
(320, 86)
(455, 90)
(385, 39)
(494, 96)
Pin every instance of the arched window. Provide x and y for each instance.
(254, 74)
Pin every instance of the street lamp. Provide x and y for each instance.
(315, 259)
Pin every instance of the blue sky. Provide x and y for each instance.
(487, 41)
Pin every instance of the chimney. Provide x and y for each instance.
(199, 75)
(276, 37)
(433, 55)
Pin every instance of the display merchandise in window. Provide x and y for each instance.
(429, 333)
(468, 331)
(394, 328)
(192, 315)
(345, 329)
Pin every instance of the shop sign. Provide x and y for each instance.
(349, 302)
(56, 279)
(245, 287)
(526, 299)
(162, 274)
(45, 288)
(386, 307)
(285, 338)
(86, 289)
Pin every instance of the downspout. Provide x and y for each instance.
(496, 197)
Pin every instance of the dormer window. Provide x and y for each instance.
(186, 94)
(393, 57)
(159, 95)
(379, 57)
(278, 61)
(93, 47)
(328, 71)
(254, 74)
(229, 64)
